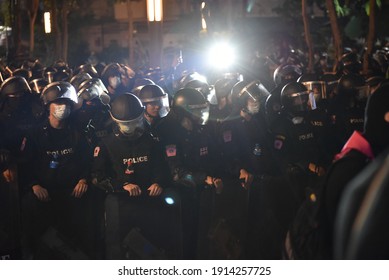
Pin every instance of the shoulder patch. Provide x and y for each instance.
(171, 150)
(279, 142)
(96, 151)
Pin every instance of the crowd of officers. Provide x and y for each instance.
(101, 162)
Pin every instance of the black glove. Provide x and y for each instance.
(103, 184)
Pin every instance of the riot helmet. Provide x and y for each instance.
(93, 88)
(59, 91)
(13, 94)
(331, 81)
(249, 96)
(198, 82)
(60, 99)
(223, 87)
(352, 90)
(112, 75)
(35, 67)
(60, 64)
(190, 103)
(350, 63)
(61, 75)
(25, 73)
(154, 95)
(296, 98)
(315, 85)
(273, 106)
(374, 82)
(37, 85)
(16, 86)
(79, 78)
(128, 77)
(207, 90)
(127, 112)
(86, 69)
(286, 73)
(48, 74)
(140, 82)
(100, 68)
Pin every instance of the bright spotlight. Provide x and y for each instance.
(221, 55)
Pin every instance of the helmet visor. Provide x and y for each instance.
(200, 113)
(302, 101)
(94, 88)
(318, 88)
(133, 128)
(162, 102)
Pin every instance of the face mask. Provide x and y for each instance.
(114, 82)
(130, 130)
(126, 128)
(253, 108)
(61, 112)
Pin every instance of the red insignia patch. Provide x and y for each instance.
(96, 152)
(171, 150)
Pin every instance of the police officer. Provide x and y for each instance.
(94, 120)
(294, 141)
(191, 154)
(222, 109)
(129, 165)
(16, 114)
(319, 117)
(359, 151)
(16, 118)
(56, 170)
(350, 102)
(268, 192)
(112, 77)
(282, 75)
(93, 114)
(156, 103)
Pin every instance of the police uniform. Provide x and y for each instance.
(191, 156)
(55, 159)
(123, 161)
(96, 123)
(15, 121)
(325, 134)
(295, 146)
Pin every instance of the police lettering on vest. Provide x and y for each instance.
(135, 160)
(60, 152)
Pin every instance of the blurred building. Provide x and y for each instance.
(125, 23)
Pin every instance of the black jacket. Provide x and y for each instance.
(56, 159)
(124, 161)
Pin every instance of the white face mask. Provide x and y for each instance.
(61, 112)
(114, 82)
(126, 128)
(253, 108)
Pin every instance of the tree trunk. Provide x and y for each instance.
(130, 34)
(56, 31)
(335, 31)
(17, 24)
(32, 12)
(370, 37)
(65, 35)
(308, 37)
